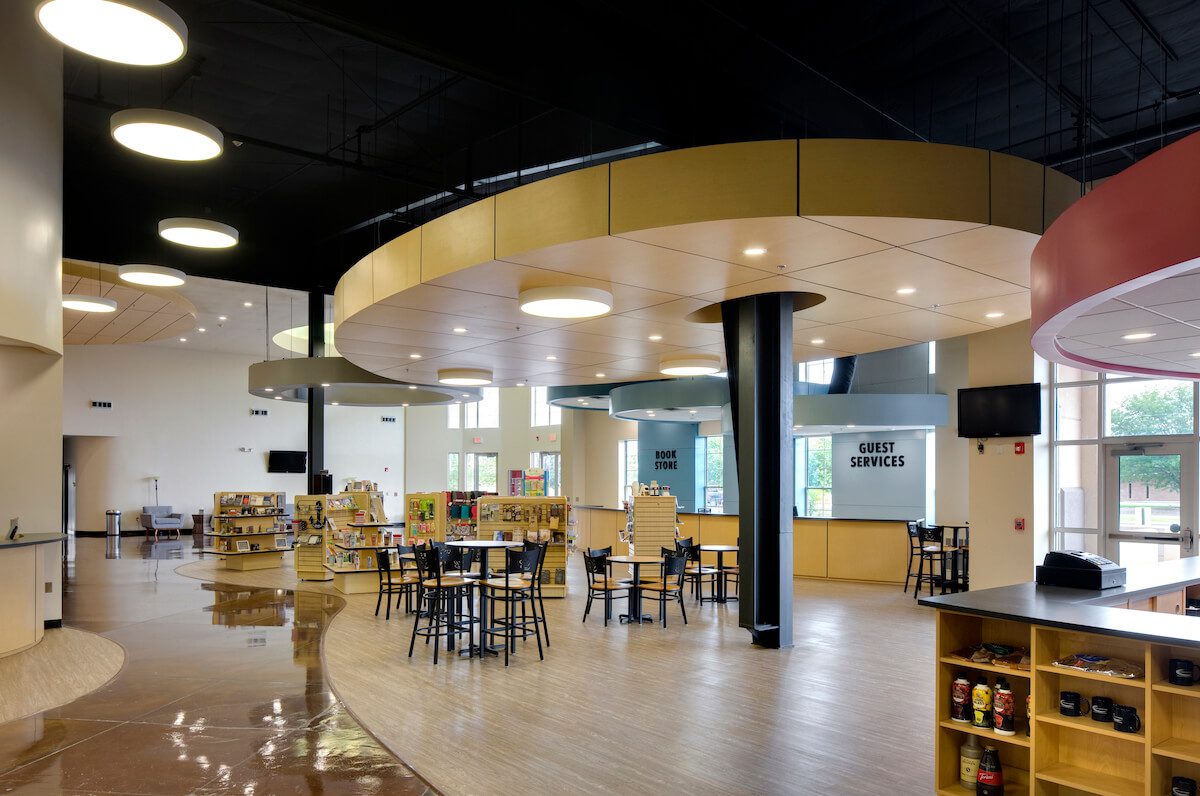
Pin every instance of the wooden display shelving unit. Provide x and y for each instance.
(351, 547)
(309, 520)
(1065, 755)
(425, 518)
(654, 522)
(528, 518)
(250, 517)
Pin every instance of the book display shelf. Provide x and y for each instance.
(1065, 754)
(541, 519)
(308, 523)
(248, 530)
(441, 516)
(356, 533)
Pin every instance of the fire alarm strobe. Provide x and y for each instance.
(1019, 448)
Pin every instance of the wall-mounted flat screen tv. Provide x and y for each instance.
(287, 461)
(1013, 410)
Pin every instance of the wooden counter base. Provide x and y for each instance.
(22, 600)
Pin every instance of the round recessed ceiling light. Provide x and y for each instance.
(412, 386)
(520, 384)
(1139, 335)
(166, 134)
(690, 365)
(754, 251)
(565, 302)
(584, 403)
(200, 233)
(335, 403)
(134, 32)
(278, 397)
(906, 291)
(153, 275)
(404, 404)
(851, 425)
(817, 341)
(414, 356)
(247, 303)
(460, 330)
(268, 389)
(465, 377)
(994, 315)
(183, 339)
(324, 384)
(600, 375)
(551, 358)
(654, 338)
(84, 303)
(201, 329)
(1196, 354)
(691, 411)
(222, 318)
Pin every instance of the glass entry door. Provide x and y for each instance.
(1150, 496)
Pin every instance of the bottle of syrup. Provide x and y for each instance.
(981, 703)
(1004, 709)
(990, 777)
(960, 699)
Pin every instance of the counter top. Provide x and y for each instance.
(717, 514)
(33, 538)
(1089, 611)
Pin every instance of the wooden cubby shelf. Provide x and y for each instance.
(1088, 724)
(1089, 781)
(1079, 674)
(1017, 740)
(1178, 690)
(1002, 671)
(1179, 749)
(1017, 780)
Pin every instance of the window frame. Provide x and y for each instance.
(542, 413)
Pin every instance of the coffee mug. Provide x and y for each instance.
(1183, 786)
(1102, 708)
(1182, 672)
(1126, 719)
(1070, 703)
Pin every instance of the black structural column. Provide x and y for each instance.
(316, 394)
(758, 349)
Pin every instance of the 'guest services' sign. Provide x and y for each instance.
(877, 454)
(666, 460)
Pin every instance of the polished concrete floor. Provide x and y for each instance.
(222, 691)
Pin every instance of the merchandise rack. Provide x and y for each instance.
(519, 518)
(253, 517)
(352, 548)
(1063, 754)
(309, 519)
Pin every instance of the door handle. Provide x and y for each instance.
(1188, 539)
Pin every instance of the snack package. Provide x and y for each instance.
(1101, 664)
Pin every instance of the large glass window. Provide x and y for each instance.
(818, 372)
(453, 416)
(714, 473)
(814, 476)
(481, 472)
(453, 474)
(485, 413)
(542, 413)
(1145, 408)
(627, 468)
(550, 462)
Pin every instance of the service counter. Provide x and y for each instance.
(22, 590)
(875, 551)
(1142, 623)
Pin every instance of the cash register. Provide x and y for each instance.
(1075, 569)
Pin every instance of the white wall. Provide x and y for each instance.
(183, 416)
(430, 441)
(951, 485)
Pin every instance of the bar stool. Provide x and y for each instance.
(960, 565)
(914, 552)
(537, 583)
(392, 582)
(513, 589)
(933, 549)
(438, 597)
(600, 584)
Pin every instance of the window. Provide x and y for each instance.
(481, 472)
(814, 476)
(542, 413)
(453, 481)
(714, 473)
(627, 468)
(485, 413)
(453, 413)
(1144, 408)
(550, 462)
(818, 372)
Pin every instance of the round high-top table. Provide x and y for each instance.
(720, 550)
(483, 546)
(635, 592)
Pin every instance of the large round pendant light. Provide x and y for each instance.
(154, 275)
(85, 303)
(690, 365)
(465, 377)
(198, 232)
(166, 134)
(134, 32)
(565, 302)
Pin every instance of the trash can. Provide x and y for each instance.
(112, 523)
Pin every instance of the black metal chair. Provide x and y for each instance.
(960, 564)
(934, 550)
(438, 597)
(914, 552)
(600, 584)
(695, 572)
(670, 587)
(393, 582)
(515, 588)
(538, 579)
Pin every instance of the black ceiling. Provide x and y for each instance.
(343, 118)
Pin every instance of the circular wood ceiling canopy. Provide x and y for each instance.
(668, 234)
(143, 313)
(1116, 279)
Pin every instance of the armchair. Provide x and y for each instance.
(160, 518)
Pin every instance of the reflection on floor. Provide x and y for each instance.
(222, 691)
